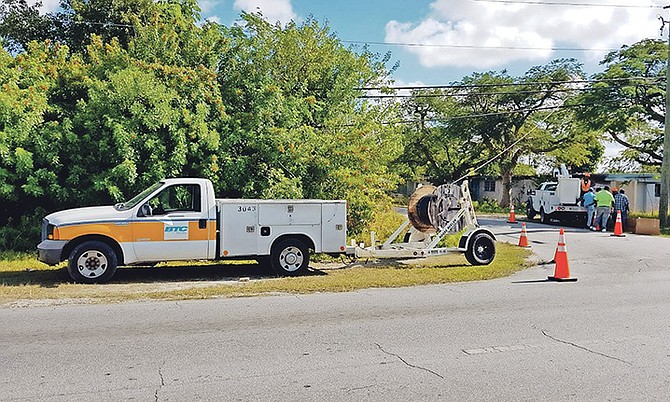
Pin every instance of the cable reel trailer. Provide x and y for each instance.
(432, 214)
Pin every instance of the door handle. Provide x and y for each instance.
(202, 223)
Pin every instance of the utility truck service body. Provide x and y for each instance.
(557, 200)
(180, 219)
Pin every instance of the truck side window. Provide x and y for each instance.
(180, 197)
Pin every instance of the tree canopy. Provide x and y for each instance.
(262, 110)
(494, 116)
(627, 100)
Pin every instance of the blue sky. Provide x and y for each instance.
(455, 38)
(497, 34)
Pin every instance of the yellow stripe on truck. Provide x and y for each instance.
(135, 231)
(120, 233)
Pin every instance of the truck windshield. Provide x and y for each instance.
(123, 206)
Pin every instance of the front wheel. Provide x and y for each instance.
(289, 257)
(481, 249)
(92, 262)
(544, 217)
(530, 212)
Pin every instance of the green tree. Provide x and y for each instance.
(627, 100)
(297, 127)
(21, 23)
(94, 128)
(493, 115)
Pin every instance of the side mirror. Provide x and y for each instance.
(145, 210)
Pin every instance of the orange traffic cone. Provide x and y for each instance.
(562, 270)
(523, 240)
(512, 218)
(618, 226)
(561, 240)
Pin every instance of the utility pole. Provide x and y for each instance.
(665, 166)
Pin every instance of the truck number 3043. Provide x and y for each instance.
(246, 208)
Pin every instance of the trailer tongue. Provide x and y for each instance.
(433, 213)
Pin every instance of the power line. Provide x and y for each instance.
(560, 3)
(507, 84)
(437, 45)
(442, 95)
(474, 116)
(103, 24)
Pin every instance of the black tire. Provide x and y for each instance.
(289, 257)
(481, 249)
(544, 217)
(92, 262)
(530, 212)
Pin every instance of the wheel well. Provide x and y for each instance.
(79, 240)
(465, 238)
(303, 238)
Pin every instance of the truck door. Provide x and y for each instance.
(174, 225)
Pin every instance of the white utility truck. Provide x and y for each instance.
(557, 200)
(180, 219)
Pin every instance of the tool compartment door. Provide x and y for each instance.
(334, 227)
(239, 227)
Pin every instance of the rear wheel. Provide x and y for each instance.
(481, 249)
(92, 262)
(289, 257)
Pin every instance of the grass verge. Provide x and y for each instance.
(24, 281)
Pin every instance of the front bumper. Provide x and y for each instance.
(50, 251)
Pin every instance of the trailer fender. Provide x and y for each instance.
(468, 235)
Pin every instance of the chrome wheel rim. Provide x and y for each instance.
(291, 259)
(92, 264)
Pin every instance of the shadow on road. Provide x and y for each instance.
(533, 281)
(50, 278)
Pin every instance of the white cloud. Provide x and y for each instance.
(214, 19)
(273, 10)
(206, 6)
(47, 5)
(470, 25)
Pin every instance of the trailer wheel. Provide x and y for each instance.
(289, 257)
(92, 262)
(481, 249)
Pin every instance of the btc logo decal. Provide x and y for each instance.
(173, 232)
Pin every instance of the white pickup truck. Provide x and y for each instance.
(180, 219)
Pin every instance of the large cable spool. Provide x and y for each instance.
(419, 201)
(431, 208)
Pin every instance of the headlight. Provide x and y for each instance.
(48, 230)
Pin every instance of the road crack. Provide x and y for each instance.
(406, 363)
(160, 375)
(585, 349)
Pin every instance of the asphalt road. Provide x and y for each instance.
(604, 337)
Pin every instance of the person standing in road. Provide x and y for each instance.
(621, 204)
(590, 204)
(585, 184)
(604, 201)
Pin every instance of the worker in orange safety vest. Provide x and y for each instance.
(585, 184)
